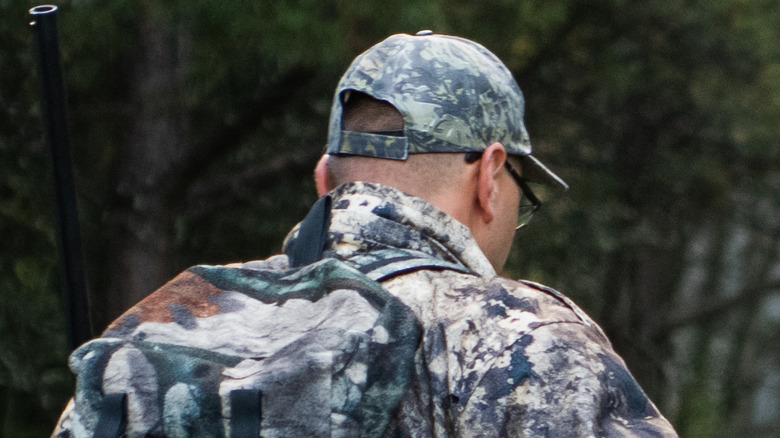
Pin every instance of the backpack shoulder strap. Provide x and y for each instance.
(384, 264)
(112, 418)
(312, 235)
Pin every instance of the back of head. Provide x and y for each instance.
(420, 174)
(410, 96)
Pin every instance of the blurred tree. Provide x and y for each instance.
(659, 111)
(195, 127)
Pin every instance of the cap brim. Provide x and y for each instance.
(536, 172)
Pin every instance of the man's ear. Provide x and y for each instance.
(490, 167)
(321, 176)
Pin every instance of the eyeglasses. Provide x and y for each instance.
(529, 203)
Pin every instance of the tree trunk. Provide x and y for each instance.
(141, 229)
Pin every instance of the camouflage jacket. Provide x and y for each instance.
(498, 357)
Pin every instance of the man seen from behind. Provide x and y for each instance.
(427, 152)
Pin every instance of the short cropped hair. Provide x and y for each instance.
(420, 175)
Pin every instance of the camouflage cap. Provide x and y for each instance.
(454, 96)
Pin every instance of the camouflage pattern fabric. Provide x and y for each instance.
(455, 95)
(329, 349)
(499, 357)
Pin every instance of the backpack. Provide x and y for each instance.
(319, 349)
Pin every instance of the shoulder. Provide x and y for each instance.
(561, 376)
(550, 363)
(554, 308)
(491, 313)
(520, 306)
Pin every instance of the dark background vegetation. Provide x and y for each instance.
(195, 126)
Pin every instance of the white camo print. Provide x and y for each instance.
(499, 357)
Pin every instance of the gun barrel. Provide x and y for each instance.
(44, 25)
